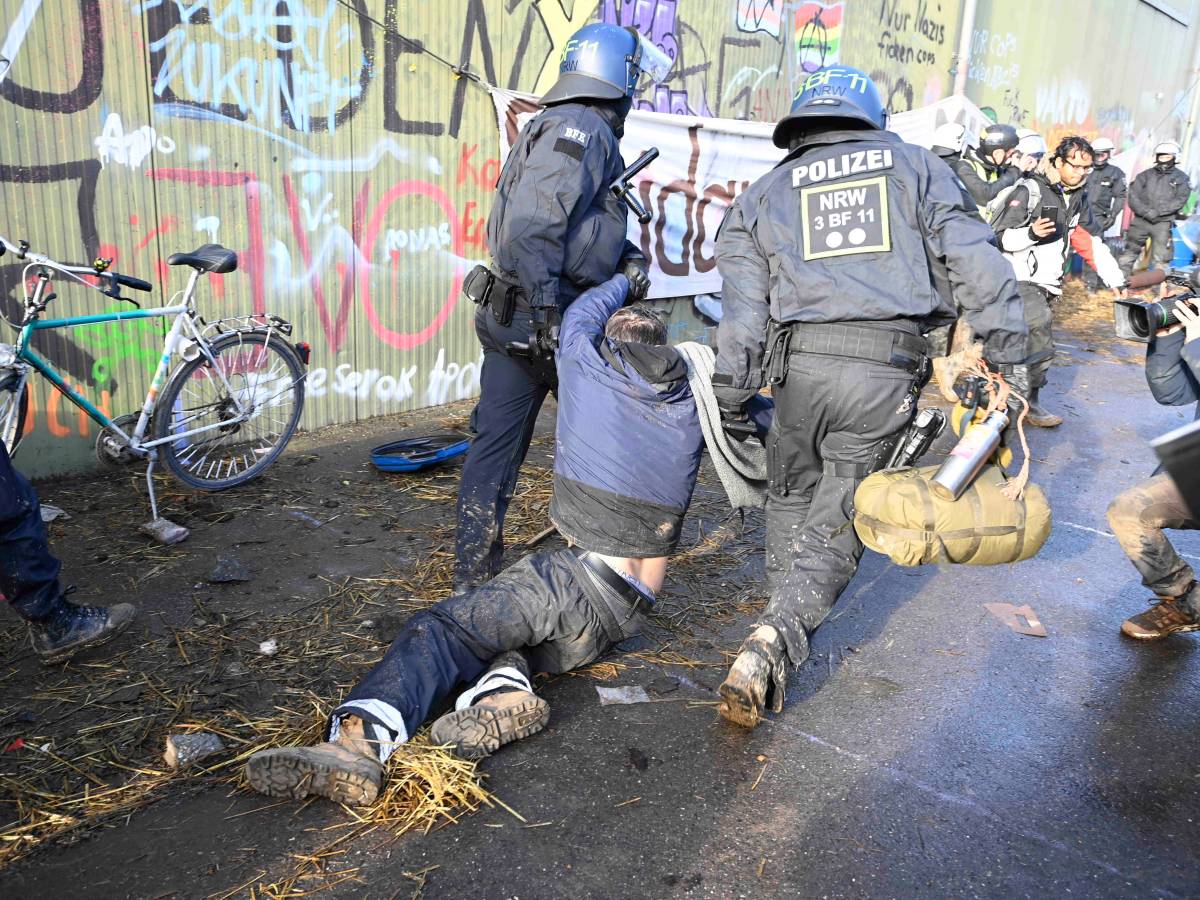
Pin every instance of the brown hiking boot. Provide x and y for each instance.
(1168, 616)
(758, 674)
(491, 722)
(346, 770)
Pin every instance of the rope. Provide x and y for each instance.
(459, 71)
(1000, 396)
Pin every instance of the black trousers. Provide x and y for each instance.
(1039, 319)
(1161, 245)
(511, 392)
(833, 416)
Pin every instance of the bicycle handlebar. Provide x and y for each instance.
(22, 252)
(136, 283)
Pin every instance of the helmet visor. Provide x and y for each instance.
(651, 61)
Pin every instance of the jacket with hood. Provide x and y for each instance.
(556, 229)
(1106, 190)
(1041, 261)
(852, 226)
(628, 439)
(1157, 195)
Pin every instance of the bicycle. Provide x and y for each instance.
(217, 420)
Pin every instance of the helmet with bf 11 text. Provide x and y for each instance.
(827, 95)
(606, 62)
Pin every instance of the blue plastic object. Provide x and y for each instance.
(1183, 253)
(414, 454)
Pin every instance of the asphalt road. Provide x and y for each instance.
(925, 750)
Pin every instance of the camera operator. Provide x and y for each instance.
(1139, 515)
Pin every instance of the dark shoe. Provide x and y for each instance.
(331, 770)
(493, 721)
(1169, 616)
(758, 676)
(78, 628)
(1039, 416)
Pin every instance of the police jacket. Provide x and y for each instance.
(1041, 261)
(983, 183)
(1157, 196)
(1106, 190)
(556, 229)
(850, 227)
(628, 439)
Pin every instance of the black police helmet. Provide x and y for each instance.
(829, 95)
(997, 137)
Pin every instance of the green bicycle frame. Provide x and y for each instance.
(135, 441)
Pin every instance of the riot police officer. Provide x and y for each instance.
(555, 230)
(832, 267)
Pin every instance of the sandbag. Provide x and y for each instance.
(898, 515)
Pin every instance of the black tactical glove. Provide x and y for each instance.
(736, 421)
(543, 335)
(637, 271)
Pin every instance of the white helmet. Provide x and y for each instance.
(1167, 148)
(1030, 142)
(1103, 145)
(950, 136)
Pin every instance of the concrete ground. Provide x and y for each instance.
(925, 750)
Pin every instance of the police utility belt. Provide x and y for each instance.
(485, 288)
(892, 347)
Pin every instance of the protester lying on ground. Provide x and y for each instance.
(29, 578)
(627, 451)
(1139, 515)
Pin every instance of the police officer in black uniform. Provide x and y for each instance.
(555, 230)
(828, 266)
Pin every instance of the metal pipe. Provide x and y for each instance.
(965, 38)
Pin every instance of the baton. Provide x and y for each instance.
(624, 190)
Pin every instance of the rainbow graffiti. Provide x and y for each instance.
(818, 35)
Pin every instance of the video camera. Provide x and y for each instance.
(1138, 321)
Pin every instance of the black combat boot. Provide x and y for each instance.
(73, 628)
(1038, 415)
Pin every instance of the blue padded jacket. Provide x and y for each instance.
(628, 440)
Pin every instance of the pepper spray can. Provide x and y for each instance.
(969, 455)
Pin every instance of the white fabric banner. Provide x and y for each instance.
(702, 166)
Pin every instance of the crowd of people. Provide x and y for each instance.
(972, 235)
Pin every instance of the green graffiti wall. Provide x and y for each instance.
(352, 171)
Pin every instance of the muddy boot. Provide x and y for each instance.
(1169, 615)
(499, 709)
(1039, 416)
(75, 628)
(344, 770)
(758, 678)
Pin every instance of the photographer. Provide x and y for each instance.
(1139, 515)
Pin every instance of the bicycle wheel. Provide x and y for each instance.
(265, 377)
(14, 405)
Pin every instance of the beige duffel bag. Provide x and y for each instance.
(898, 515)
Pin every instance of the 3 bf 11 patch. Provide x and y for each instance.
(847, 218)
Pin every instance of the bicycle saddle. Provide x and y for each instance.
(209, 258)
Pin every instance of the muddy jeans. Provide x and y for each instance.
(548, 605)
(28, 570)
(1039, 319)
(1138, 517)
